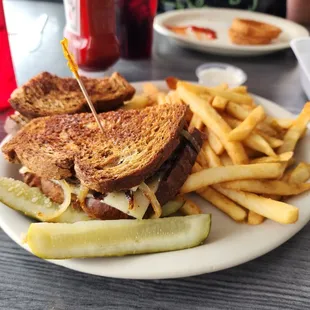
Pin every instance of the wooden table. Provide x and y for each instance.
(278, 280)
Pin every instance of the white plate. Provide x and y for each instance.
(228, 245)
(220, 20)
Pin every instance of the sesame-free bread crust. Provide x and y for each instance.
(135, 143)
(47, 94)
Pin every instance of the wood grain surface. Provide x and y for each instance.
(278, 280)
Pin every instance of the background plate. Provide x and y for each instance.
(228, 245)
(220, 20)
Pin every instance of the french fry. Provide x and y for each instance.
(255, 218)
(275, 210)
(300, 174)
(273, 197)
(197, 167)
(207, 97)
(252, 153)
(267, 129)
(295, 131)
(220, 201)
(236, 110)
(216, 175)
(274, 187)
(161, 98)
(195, 122)
(190, 208)
(201, 159)
(273, 142)
(248, 107)
(215, 143)
(173, 97)
(136, 103)
(231, 96)
(216, 91)
(240, 89)
(212, 159)
(224, 204)
(286, 175)
(213, 120)
(282, 123)
(304, 133)
(248, 125)
(172, 81)
(254, 140)
(258, 143)
(284, 157)
(225, 159)
(150, 89)
(167, 99)
(223, 86)
(237, 130)
(219, 103)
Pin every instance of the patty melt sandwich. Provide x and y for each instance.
(137, 165)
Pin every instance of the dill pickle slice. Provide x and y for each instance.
(71, 215)
(171, 207)
(32, 202)
(117, 238)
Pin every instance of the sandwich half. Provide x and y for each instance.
(137, 165)
(47, 94)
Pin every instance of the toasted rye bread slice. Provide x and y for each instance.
(252, 28)
(48, 94)
(241, 39)
(135, 143)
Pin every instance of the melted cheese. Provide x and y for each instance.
(119, 201)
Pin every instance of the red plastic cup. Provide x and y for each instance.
(135, 27)
(7, 76)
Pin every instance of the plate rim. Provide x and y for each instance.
(160, 18)
(178, 272)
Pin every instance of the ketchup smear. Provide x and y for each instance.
(198, 31)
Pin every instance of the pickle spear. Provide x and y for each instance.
(32, 202)
(172, 206)
(117, 238)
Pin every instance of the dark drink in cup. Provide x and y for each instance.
(7, 76)
(135, 27)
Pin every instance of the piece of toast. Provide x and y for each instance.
(135, 143)
(252, 32)
(241, 39)
(47, 94)
(253, 28)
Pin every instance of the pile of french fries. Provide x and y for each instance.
(246, 166)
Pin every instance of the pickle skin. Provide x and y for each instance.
(117, 238)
